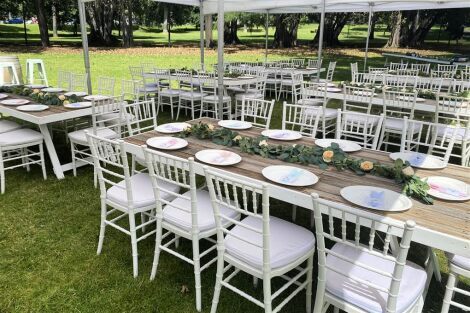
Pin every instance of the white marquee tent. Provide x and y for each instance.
(220, 7)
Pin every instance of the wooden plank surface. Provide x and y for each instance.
(450, 218)
(53, 109)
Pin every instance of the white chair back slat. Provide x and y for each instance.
(421, 67)
(78, 82)
(362, 128)
(299, 118)
(106, 86)
(357, 99)
(257, 111)
(64, 79)
(140, 116)
(399, 103)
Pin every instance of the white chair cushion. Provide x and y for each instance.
(371, 120)
(6, 126)
(236, 89)
(169, 92)
(190, 95)
(111, 118)
(79, 136)
(205, 213)
(20, 137)
(461, 133)
(288, 242)
(329, 113)
(142, 191)
(365, 297)
(460, 261)
(272, 81)
(215, 98)
(249, 95)
(150, 89)
(310, 101)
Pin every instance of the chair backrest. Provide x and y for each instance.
(397, 66)
(408, 72)
(137, 72)
(140, 116)
(297, 62)
(453, 110)
(299, 118)
(421, 67)
(101, 117)
(130, 89)
(106, 86)
(427, 137)
(64, 80)
(313, 89)
(357, 99)
(111, 165)
(147, 67)
(461, 85)
(78, 82)
(257, 111)
(175, 171)
(331, 71)
(365, 78)
(314, 63)
(447, 68)
(427, 83)
(248, 199)
(465, 72)
(354, 70)
(346, 216)
(362, 128)
(399, 103)
(184, 80)
(442, 73)
(208, 83)
(396, 80)
(378, 70)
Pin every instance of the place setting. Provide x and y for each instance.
(3, 96)
(419, 160)
(345, 145)
(35, 86)
(96, 97)
(32, 107)
(376, 198)
(235, 124)
(52, 90)
(445, 188)
(218, 157)
(166, 143)
(289, 175)
(14, 102)
(78, 105)
(281, 134)
(75, 93)
(172, 128)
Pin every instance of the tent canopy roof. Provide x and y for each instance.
(314, 6)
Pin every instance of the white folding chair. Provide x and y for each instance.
(458, 266)
(208, 85)
(188, 215)
(261, 245)
(257, 111)
(362, 128)
(364, 277)
(122, 194)
(297, 118)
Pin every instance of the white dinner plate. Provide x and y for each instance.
(235, 124)
(289, 175)
(78, 105)
(15, 102)
(453, 103)
(280, 134)
(448, 188)
(32, 107)
(406, 98)
(345, 145)
(330, 89)
(35, 86)
(166, 143)
(364, 93)
(3, 96)
(376, 198)
(52, 90)
(76, 93)
(95, 97)
(310, 68)
(218, 157)
(419, 160)
(172, 128)
(246, 77)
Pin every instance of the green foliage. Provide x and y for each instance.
(40, 97)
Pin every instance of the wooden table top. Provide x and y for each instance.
(445, 217)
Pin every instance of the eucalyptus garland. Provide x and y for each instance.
(39, 96)
(324, 158)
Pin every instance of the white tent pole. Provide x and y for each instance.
(267, 34)
(81, 11)
(201, 32)
(320, 38)
(369, 24)
(220, 54)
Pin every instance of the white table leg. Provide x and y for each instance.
(51, 151)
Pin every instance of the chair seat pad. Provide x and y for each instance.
(6, 126)
(370, 120)
(329, 113)
(310, 101)
(142, 191)
(272, 81)
(461, 133)
(79, 136)
(170, 92)
(366, 297)
(289, 242)
(205, 213)
(460, 261)
(215, 98)
(236, 89)
(20, 137)
(149, 89)
(249, 95)
(112, 118)
(190, 95)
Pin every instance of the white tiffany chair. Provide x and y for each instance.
(78, 82)
(422, 136)
(106, 86)
(330, 72)
(354, 70)
(188, 215)
(297, 62)
(461, 85)
(396, 105)
(255, 91)
(130, 90)
(421, 67)
(397, 66)
(408, 72)
(447, 68)
(357, 99)
(210, 101)
(64, 80)
(378, 70)
(366, 78)
(398, 81)
(257, 111)
(311, 93)
(291, 83)
(18, 149)
(273, 80)
(104, 124)
(167, 95)
(148, 85)
(362, 128)
(260, 245)
(454, 112)
(297, 118)
(458, 266)
(364, 277)
(427, 84)
(190, 95)
(315, 63)
(123, 195)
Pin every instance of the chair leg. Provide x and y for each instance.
(294, 213)
(308, 302)
(451, 283)
(135, 264)
(74, 165)
(319, 297)
(158, 242)
(102, 226)
(218, 281)
(2, 174)
(336, 310)
(142, 220)
(43, 163)
(255, 281)
(267, 300)
(197, 273)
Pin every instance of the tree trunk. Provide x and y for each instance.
(165, 18)
(208, 30)
(126, 24)
(395, 33)
(334, 24)
(24, 23)
(54, 21)
(411, 28)
(230, 32)
(285, 35)
(101, 21)
(42, 23)
(372, 27)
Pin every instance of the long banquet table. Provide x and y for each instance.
(443, 225)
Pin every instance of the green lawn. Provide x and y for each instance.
(49, 229)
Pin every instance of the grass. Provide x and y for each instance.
(49, 229)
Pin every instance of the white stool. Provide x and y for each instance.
(30, 63)
(9, 66)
